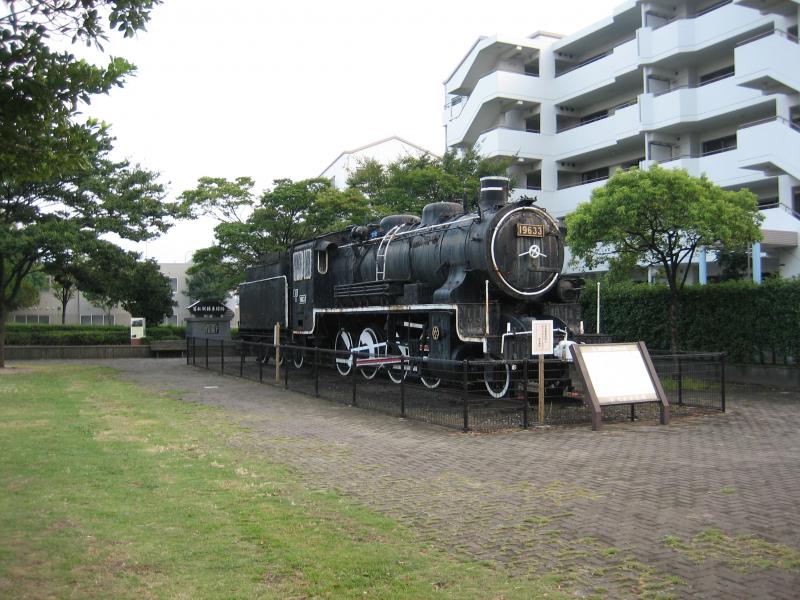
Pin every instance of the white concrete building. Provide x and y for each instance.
(384, 151)
(708, 86)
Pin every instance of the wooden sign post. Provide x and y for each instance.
(541, 344)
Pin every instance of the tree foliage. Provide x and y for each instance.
(409, 183)
(289, 212)
(660, 217)
(59, 188)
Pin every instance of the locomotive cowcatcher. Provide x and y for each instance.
(451, 285)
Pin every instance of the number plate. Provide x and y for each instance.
(526, 230)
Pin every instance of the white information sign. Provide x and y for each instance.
(618, 373)
(542, 337)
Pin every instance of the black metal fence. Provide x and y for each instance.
(471, 395)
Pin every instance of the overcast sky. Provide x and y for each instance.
(280, 89)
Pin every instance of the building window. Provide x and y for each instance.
(32, 319)
(533, 180)
(713, 76)
(173, 285)
(171, 320)
(594, 175)
(722, 144)
(97, 319)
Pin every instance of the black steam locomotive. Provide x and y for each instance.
(451, 285)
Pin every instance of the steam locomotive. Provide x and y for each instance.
(454, 284)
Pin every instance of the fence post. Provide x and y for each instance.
(206, 353)
(465, 391)
(680, 381)
(316, 372)
(402, 386)
(194, 351)
(261, 364)
(353, 371)
(285, 369)
(222, 356)
(722, 379)
(241, 359)
(187, 350)
(525, 409)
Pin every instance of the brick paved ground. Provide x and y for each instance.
(704, 508)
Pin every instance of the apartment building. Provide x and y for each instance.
(708, 86)
(82, 312)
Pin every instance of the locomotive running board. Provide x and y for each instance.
(394, 308)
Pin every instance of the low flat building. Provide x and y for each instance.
(82, 312)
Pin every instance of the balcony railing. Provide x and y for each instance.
(611, 112)
(691, 86)
(787, 122)
(766, 34)
(669, 18)
(583, 182)
(788, 209)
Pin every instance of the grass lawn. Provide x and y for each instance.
(108, 490)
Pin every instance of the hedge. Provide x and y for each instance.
(750, 322)
(82, 335)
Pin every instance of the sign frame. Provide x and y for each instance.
(593, 399)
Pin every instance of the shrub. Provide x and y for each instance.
(741, 318)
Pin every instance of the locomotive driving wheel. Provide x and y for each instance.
(426, 374)
(397, 371)
(497, 377)
(343, 343)
(370, 342)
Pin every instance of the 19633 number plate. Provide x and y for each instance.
(527, 230)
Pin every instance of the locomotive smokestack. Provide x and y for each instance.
(494, 193)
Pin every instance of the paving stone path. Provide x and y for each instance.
(706, 507)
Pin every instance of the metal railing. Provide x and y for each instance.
(470, 395)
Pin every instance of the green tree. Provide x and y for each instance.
(291, 211)
(409, 183)
(114, 277)
(660, 217)
(147, 292)
(59, 190)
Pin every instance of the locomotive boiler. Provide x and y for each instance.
(452, 284)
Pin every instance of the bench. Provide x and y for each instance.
(159, 346)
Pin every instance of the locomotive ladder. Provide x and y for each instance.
(383, 247)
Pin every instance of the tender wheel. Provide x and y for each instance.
(497, 378)
(369, 342)
(298, 357)
(344, 343)
(428, 381)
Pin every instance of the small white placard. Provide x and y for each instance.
(542, 337)
(618, 373)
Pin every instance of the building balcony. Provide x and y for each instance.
(503, 141)
(623, 124)
(771, 146)
(483, 107)
(721, 167)
(484, 57)
(725, 23)
(595, 72)
(691, 104)
(768, 63)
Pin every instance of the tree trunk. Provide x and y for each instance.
(2, 336)
(674, 305)
(63, 313)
